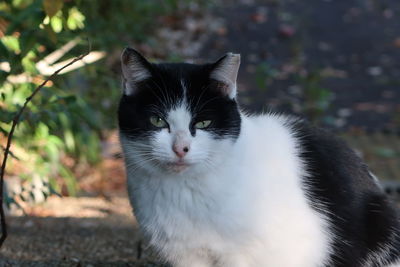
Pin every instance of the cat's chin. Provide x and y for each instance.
(177, 167)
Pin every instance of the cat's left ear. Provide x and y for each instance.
(135, 68)
(225, 70)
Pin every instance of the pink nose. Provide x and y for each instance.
(180, 150)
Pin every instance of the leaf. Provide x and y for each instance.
(45, 195)
(3, 131)
(70, 180)
(4, 54)
(51, 7)
(22, 197)
(53, 191)
(3, 77)
(8, 200)
(32, 15)
(27, 40)
(57, 24)
(11, 43)
(69, 99)
(51, 34)
(7, 116)
(52, 150)
(75, 19)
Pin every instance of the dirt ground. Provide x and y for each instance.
(85, 231)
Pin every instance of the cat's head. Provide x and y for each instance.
(178, 117)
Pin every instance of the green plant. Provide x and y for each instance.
(64, 124)
(265, 75)
(317, 99)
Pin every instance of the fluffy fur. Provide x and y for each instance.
(249, 191)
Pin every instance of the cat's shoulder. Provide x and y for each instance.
(327, 153)
(323, 153)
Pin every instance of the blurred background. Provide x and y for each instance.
(335, 62)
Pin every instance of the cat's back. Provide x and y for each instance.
(364, 224)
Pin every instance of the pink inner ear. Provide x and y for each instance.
(134, 70)
(224, 88)
(125, 58)
(225, 71)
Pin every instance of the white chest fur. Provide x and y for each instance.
(251, 211)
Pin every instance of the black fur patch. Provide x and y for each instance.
(163, 91)
(362, 218)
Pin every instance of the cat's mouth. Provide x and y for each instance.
(177, 166)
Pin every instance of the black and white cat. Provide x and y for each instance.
(213, 186)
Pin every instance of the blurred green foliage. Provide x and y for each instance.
(68, 117)
(265, 75)
(317, 99)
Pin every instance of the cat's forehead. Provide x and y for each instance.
(178, 70)
(176, 74)
(173, 85)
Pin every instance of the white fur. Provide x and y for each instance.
(238, 204)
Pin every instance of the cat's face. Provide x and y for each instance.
(178, 117)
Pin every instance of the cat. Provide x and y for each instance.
(213, 186)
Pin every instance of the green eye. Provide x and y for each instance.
(202, 124)
(158, 122)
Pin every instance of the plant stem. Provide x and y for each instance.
(9, 139)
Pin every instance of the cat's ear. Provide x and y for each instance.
(135, 68)
(225, 70)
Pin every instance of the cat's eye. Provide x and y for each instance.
(158, 122)
(202, 124)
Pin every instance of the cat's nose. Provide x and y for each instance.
(180, 150)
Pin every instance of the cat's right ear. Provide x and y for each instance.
(135, 68)
(225, 70)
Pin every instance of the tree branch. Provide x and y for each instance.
(9, 139)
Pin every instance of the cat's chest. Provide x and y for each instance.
(168, 210)
(264, 209)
